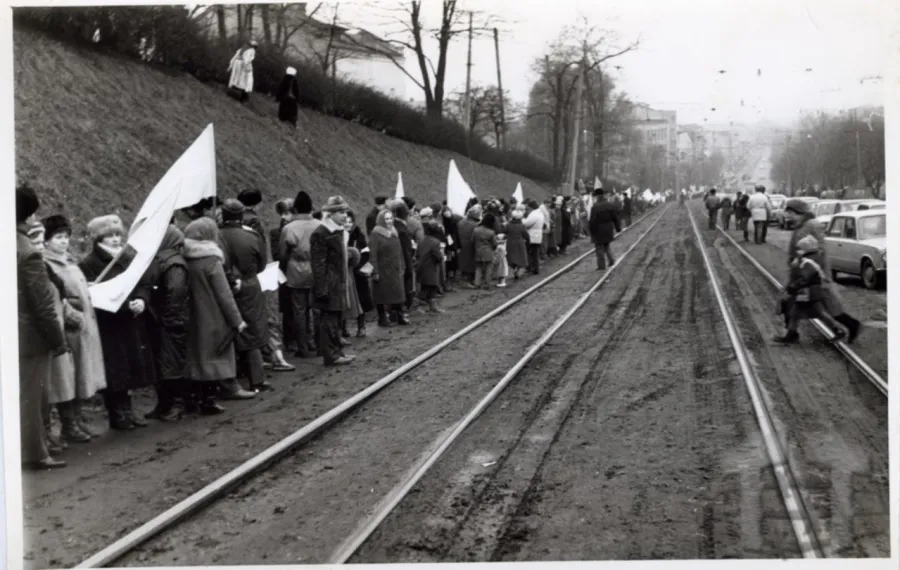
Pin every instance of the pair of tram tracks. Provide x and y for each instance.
(259, 463)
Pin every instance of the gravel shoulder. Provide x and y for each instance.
(834, 420)
(625, 439)
(121, 480)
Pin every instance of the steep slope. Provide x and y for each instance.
(94, 133)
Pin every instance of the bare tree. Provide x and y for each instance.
(485, 120)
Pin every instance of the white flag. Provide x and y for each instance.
(189, 180)
(458, 192)
(271, 277)
(518, 194)
(399, 193)
(597, 184)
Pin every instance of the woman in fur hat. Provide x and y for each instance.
(215, 318)
(287, 96)
(82, 331)
(125, 335)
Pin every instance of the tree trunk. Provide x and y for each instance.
(220, 18)
(240, 23)
(267, 30)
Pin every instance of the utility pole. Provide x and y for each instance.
(578, 105)
(469, 82)
(859, 177)
(502, 141)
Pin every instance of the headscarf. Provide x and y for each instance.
(203, 229)
(172, 240)
(381, 226)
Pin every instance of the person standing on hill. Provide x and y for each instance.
(331, 275)
(288, 97)
(241, 69)
(604, 223)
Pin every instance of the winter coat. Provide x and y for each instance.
(241, 69)
(534, 223)
(805, 281)
(354, 309)
(451, 236)
(171, 306)
(712, 203)
(567, 233)
(759, 207)
(252, 221)
(84, 340)
(808, 227)
(557, 227)
(294, 251)
(604, 222)
(61, 387)
(245, 254)
(516, 244)
(429, 261)
(485, 242)
(406, 242)
(500, 266)
(40, 333)
(284, 292)
(388, 268)
(330, 267)
(215, 316)
(466, 253)
(287, 96)
(127, 339)
(416, 231)
(363, 288)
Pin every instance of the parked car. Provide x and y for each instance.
(778, 201)
(850, 206)
(823, 210)
(779, 214)
(856, 243)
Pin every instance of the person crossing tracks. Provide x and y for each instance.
(604, 224)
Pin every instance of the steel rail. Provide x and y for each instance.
(801, 521)
(842, 347)
(351, 544)
(246, 470)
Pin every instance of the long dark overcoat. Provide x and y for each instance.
(485, 242)
(171, 307)
(330, 268)
(567, 231)
(363, 288)
(406, 244)
(466, 254)
(429, 261)
(215, 316)
(245, 254)
(388, 263)
(516, 244)
(604, 222)
(127, 342)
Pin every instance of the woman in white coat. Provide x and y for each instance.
(241, 68)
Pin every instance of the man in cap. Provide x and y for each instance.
(41, 336)
(294, 260)
(331, 278)
(604, 224)
(245, 255)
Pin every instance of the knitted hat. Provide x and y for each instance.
(335, 204)
(797, 206)
(56, 224)
(27, 203)
(232, 210)
(104, 226)
(809, 244)
(303, 203)
(250, 197)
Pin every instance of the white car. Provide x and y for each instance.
(847, 206)
(823, 210)
(856, 243)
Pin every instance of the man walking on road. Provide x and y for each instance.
(760, 208)
(712, 203)
(604, 224)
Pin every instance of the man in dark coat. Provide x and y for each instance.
(245, 254)
(251, 198)
(41, 337)
(401, 213)
(380, 204)
(604, 222)
(330, 268)
(627, 208)
(712, 204)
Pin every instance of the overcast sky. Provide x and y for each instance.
(683, 45)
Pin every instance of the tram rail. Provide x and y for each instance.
(252, 467)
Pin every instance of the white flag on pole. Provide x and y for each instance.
(191, 179)
(518, 194)
(458, 192)
(597, 184)
(399, 193)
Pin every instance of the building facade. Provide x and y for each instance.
(657, 128)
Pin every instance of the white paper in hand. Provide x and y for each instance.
(271, 277)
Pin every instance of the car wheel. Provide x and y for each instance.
(869, 275)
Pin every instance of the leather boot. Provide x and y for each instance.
(128, 409)
(70, 430)
(164, 400)
(345, 329)
(791, 337)
(118, 420)
(231, 390)
(177, 393)
(433, 307)
(208, 405)
(852, 325)
(361, 327)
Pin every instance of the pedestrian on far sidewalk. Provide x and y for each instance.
(712, 203)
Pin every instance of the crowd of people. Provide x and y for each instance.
(199, 321)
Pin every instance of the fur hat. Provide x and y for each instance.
(250, 197)
(335, 204)
(104, 226)
(303, 203)
(27, 203)
(380, 200)
(797, 206)
(232, 210)
(56, 224)
(809, 244)
(284, 206)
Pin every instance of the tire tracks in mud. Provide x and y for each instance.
(834, 421)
